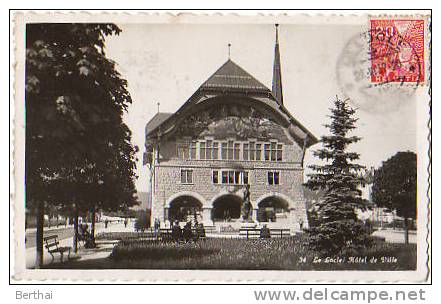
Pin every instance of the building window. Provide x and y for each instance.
(202, 150)
(230, 177)
(273, 151)
(230, 149)
(245, 177)
(245, 151)
(237, 151)
(215, 150)
(186, 176)
(273, 178)
(193, 150)
(266, 151)
(279, 152)
(224, 177)
(258, 152)
(183, 151)
(215, 177)
(209, 149)
(224, 148)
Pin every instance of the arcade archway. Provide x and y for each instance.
(226, 208)
(272, 208)
(184, 208)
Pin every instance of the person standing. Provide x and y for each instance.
(187, 232)
(265, 233)
(176, 232)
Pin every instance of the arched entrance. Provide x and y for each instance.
(184, 208)
(272, 208)
(226, 208)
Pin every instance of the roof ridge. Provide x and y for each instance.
(232, 76)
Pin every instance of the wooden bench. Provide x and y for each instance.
(51, 244)
(250, 233)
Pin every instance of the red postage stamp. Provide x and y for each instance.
(397, 51)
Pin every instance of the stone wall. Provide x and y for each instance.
(167, 181)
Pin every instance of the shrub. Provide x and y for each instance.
(142, 221)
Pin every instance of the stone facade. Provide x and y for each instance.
(167, 185)
(231, 133)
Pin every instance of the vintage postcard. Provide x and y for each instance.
(222, 147)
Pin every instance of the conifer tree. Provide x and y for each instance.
(338, 230)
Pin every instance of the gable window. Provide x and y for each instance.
(230, 149)
(273, 177)
(273, 151)
(279, 152)
(258, 151)
(252, 150)
(193, 150)
(215, 150)
(209, 149)
(202, 150)
(186, 176)
(224, 148)
(245, 151)
(266, 151)
(237, 151)
(183, 150)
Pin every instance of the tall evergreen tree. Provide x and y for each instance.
(76, 140)
(338, 231)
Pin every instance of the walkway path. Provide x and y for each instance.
(105, 248)
(66, 239)
(396, 236)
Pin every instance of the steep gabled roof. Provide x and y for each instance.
(231, 77)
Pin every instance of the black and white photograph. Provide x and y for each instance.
(293, 147)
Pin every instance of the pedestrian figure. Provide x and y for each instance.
(301, 224)
(201, 230)
(86, 236)
(106, 223)
(125, 222)
(157, 226)
(187, 232)
(176, 232)
(265, 233)
(196, 230)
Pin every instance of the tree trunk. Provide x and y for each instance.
(39, 235)
(75, 243)
(406, 230)
(93, 223)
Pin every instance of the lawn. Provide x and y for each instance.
(242, 254)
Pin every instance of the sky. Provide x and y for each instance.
(166, 63)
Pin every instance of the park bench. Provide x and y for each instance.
(51, 244)
(250, 232)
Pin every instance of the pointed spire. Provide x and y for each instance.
(277, 73)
